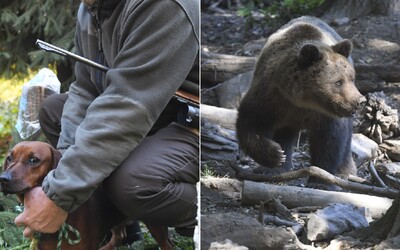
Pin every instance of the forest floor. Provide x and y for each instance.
(376, 40)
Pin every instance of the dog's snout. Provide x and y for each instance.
(5, 178)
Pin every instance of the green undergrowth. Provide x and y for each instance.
(11, 237)
(148, 242)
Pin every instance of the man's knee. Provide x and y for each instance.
(157, 181)
(50, 114)
(52, 108)
(153, 199)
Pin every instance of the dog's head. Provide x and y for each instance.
(26, 165)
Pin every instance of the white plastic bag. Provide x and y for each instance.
(42, 85)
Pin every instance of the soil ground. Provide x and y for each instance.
(376, 40)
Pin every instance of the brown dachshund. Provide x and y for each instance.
(25, 167)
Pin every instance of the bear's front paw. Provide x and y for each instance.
(274, 156)
(282, 156)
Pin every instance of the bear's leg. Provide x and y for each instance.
(330, 145)
(348, 167)
(286, 137)
(255, 139)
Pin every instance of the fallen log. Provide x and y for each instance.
(253, 193)
(225, 118)
(217, 68)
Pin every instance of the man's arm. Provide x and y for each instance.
(40, 214)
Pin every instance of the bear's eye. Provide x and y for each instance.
(339, 83)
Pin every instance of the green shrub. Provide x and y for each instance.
(11, 236)
(288, 9)
(22, 22)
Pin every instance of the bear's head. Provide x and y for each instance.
(327, 79)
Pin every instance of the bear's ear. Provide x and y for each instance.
(309, 54)
(344, 48)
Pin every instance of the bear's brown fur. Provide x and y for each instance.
(304, 79)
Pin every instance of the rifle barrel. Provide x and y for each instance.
(62, 52)
(188, 114)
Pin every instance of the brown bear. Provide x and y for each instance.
(303, 79)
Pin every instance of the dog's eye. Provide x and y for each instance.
(8, 159)
(33, 160)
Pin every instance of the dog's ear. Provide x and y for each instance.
(55, 157)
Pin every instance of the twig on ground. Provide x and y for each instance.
(272, 219)
(305, 209)
(275, 205)
(261, 213)
(375, 176)
(357, 179)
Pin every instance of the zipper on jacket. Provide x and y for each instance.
(100, 53)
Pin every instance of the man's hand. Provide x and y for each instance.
(40, 214)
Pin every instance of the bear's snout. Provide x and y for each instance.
(357, 100)
(361, 101)
(353, 97)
